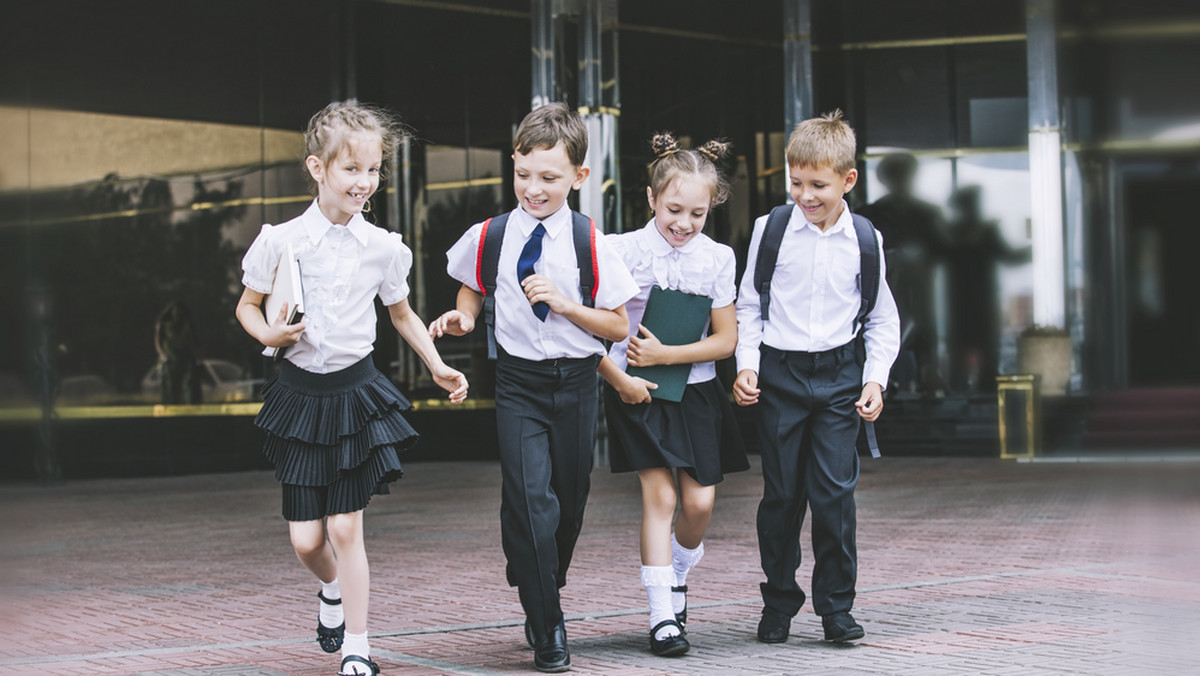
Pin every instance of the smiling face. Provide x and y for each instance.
(818, 192)
(346, 182)
(543, 178)
(682, 209)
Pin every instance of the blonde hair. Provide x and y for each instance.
(545, 126)
(825, 141)
(672, 162)
(330, 129)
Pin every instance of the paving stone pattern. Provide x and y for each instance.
(967, 566)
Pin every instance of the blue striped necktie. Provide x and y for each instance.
(529, 255)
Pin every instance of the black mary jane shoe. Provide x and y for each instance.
(681, 616)
(356, 659)
(330, 639)
(671, 646)
(550, 654)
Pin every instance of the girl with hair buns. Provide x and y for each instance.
(333, 422)
(694, 442)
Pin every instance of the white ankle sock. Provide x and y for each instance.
(331, 614)
(682, 562)
(356, 644)
(658, 580)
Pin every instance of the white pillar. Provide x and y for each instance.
(1045, 165)
(600, 107)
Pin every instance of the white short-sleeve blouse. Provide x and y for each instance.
(342, 269)
(702, 267)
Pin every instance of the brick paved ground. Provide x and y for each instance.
(967, 566)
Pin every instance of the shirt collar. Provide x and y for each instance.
(554, 223)
(316, 225)
(843, 226)
(658, 244)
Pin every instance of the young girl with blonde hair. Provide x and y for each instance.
(333, 422)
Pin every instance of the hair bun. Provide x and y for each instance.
(715, 149)
(663, 144)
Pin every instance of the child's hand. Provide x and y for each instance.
(635, 390)
(282, 334)
(539, 289)
(745, 388)
(452, 323)
(452, 381)
(870, 404)
(645, 349)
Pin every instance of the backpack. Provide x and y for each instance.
(868, 280)
(868, 255)
(583, 230)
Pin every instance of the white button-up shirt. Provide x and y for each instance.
(701, 267)
(518, 330)
(815, 297)
(342, 269)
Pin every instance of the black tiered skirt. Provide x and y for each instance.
(698, 435)
(334, 438)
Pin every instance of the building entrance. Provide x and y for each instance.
(1162, 243)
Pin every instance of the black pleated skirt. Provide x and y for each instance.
(334, 438)
(698, 434)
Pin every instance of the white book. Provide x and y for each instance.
(288, 287)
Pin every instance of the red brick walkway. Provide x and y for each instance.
(967, 566)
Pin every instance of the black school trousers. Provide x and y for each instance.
(807, 428)
(546, 424)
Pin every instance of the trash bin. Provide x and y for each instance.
(1020, 415)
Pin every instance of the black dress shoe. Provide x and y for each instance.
(841, 627)
(681, 617)
(529, 639)
(774, 626)
(671, 646)
(550, 653)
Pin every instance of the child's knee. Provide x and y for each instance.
(698, 503)
(344, 529)
(307, 542)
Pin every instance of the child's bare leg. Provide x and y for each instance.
(308, 539)
(658, 510)
(687, 543)
(696, 511)
(346, 536)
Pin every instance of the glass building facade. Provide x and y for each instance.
(142, 145)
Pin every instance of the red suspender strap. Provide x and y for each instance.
(479, 258)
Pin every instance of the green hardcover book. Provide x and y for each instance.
(675, 318)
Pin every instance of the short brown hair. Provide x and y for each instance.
(545, 126)
(825, 141)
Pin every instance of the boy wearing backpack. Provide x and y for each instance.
(817, 334)
(549, 289)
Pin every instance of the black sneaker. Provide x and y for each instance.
(841, 627)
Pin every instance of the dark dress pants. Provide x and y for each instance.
(807, 427)
(546, 424)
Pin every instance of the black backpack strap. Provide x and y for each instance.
(868, 285)
(868, 275)
(487, 261)
(583, 229)
(768, 255)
